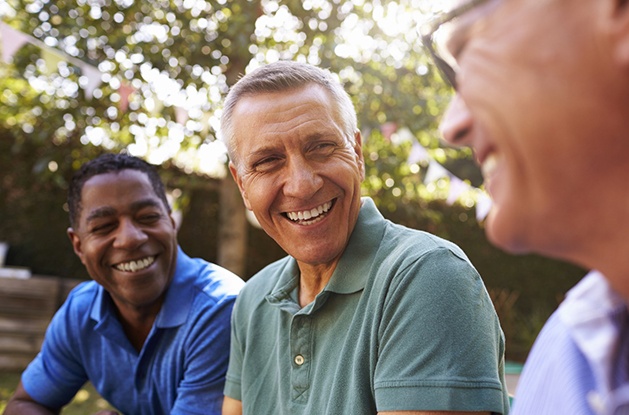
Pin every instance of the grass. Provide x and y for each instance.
(86, 401)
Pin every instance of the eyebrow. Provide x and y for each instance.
(107, 211)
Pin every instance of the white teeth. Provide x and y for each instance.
(133, 266)
(489, 165)
(309, 214)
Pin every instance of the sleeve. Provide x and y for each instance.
(56, 374)
(234, 377)
(441, 347)
(201, 390)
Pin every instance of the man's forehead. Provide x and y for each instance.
(260, 101)
(99, 187)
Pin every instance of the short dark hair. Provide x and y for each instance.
(108, 163)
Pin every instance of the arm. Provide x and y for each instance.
(231, 406)
(21, 403)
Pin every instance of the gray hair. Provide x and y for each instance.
(284, 76)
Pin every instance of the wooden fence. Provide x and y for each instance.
(26, 307)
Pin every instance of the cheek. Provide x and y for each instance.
(257, 192)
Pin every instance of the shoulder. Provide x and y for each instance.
(72, 322)
(208, 279)
(405, 241)
(81, 298)
(416, 254)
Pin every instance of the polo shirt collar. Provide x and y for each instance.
(595, 316)
(180, 294)
(352, 271)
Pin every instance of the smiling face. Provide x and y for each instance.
(126, 239)
(539, 125)
(297, 172)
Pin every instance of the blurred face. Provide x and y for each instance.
(528, 104)
(297, 172)
(126, 239)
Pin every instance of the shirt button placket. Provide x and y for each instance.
(299, 360)
(300, 349)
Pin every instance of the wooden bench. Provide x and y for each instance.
(26, 307)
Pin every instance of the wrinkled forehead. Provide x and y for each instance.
(277, 111)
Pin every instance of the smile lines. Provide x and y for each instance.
(133, 266)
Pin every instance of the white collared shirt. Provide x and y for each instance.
(579, 362)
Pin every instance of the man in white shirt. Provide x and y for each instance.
(543, 99)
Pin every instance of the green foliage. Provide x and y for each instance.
(177, 54)
(159, 56)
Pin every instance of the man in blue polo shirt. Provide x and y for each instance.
(151, 331)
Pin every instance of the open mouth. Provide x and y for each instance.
(312, 216)
(489, 165)
(135, 266)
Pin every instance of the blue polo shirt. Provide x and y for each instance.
(181, 367)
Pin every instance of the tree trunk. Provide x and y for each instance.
(232, 235)
(232, 229)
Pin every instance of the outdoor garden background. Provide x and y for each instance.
(82, 77)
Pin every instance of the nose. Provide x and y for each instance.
(456, 123)
(302, 179)
(129, 235)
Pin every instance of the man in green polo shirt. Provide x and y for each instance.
(364, 316)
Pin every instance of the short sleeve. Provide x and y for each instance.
(234, 372)
(56, 374)
(441, 346)
(201, 390)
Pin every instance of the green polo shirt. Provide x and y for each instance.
(405, 323)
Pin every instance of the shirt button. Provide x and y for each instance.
(299, 360)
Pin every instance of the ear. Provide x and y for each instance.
(618, 20)
(75, 240)
(173, 221)
(358, 149)
(234, 171)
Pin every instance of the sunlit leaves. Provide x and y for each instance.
(167, 64)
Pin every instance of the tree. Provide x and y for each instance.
(163, 67)
(149, 77)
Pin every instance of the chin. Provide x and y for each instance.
(509, 236)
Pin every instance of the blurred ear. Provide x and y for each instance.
(619, 30)
(234, 171)
(75, 240)
(358, 149)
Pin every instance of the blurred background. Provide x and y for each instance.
(83, 77)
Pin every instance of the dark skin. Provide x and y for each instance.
(126, 239)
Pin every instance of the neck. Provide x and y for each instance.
(312, 280)
(601, 243)
(136, 323)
